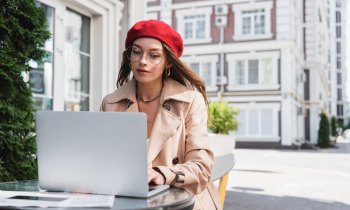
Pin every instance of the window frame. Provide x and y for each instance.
(340, 110)
(253, 106)
(339, 62)
(237, 10)
(214, 59)
(233, 57)
(180, 25)
(338, 47)
(338, 31)
(338, 17)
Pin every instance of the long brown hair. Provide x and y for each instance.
(179, 72)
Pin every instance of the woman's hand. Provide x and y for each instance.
(155, 177)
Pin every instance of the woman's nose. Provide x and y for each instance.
(143, 58)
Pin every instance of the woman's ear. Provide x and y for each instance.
(169, 64)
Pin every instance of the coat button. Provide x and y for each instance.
(167, 107)
(175, 160)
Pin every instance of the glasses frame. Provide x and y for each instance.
(142, 53)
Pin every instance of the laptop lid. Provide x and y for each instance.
(96, 152)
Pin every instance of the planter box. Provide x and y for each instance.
(222, 144)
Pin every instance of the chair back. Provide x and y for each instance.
(223, 165)
(224, 158)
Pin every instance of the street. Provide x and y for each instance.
(290, 179)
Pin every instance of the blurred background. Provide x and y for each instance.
(281, 62)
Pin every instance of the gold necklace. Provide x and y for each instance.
(137, 94)
(150, 121)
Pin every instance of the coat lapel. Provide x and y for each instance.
(166, 122)
(164, 126)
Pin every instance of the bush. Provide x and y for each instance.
(323, 132)
(334, 126)
(222, 118)
(22, 36)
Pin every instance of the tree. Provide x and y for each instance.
(323, 132)
(22, 37)
(222, 118)
(334, 126)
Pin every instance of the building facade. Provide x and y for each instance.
(337, 56)
(84, 52)
(269, 58)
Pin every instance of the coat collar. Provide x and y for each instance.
(172, 90)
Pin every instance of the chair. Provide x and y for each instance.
(223, 165)
(222, 146)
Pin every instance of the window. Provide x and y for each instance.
(338, 4)
(253, 73)
(203, 70)
(338, 62)
(205, 67)
(77, 62)
(41, 77)
(252, 21)
(248, 72)
(338, 47)
(337, 17)
(339, 98)
(194, 25)
(257, 120)
(338, 31)
(339, 78)
(339, 109)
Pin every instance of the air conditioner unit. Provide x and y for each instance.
(303, 77)
(221, 80)
(221, 20)
(221, 10)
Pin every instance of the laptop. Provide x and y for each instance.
(94, 152)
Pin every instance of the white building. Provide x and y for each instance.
(88, 39)
(337, 69)
(266, 57)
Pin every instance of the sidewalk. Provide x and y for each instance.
(290, 179)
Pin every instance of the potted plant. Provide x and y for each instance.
(222, 120)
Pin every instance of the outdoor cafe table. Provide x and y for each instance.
(174, 198)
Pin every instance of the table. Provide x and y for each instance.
(173, 198)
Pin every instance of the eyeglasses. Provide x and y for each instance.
(135, 54)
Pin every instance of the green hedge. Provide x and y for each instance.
(323, 132)
(22, 37)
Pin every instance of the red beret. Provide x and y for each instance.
(158, 30)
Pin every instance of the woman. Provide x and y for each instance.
(174, 100)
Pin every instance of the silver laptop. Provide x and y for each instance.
(94, 152)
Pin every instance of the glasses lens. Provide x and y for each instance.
(133, 53)
(154, 58)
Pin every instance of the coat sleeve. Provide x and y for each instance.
(199, 159)
(103, 104)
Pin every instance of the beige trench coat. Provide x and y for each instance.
(178, 133)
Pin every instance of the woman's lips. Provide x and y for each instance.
(142, 71)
